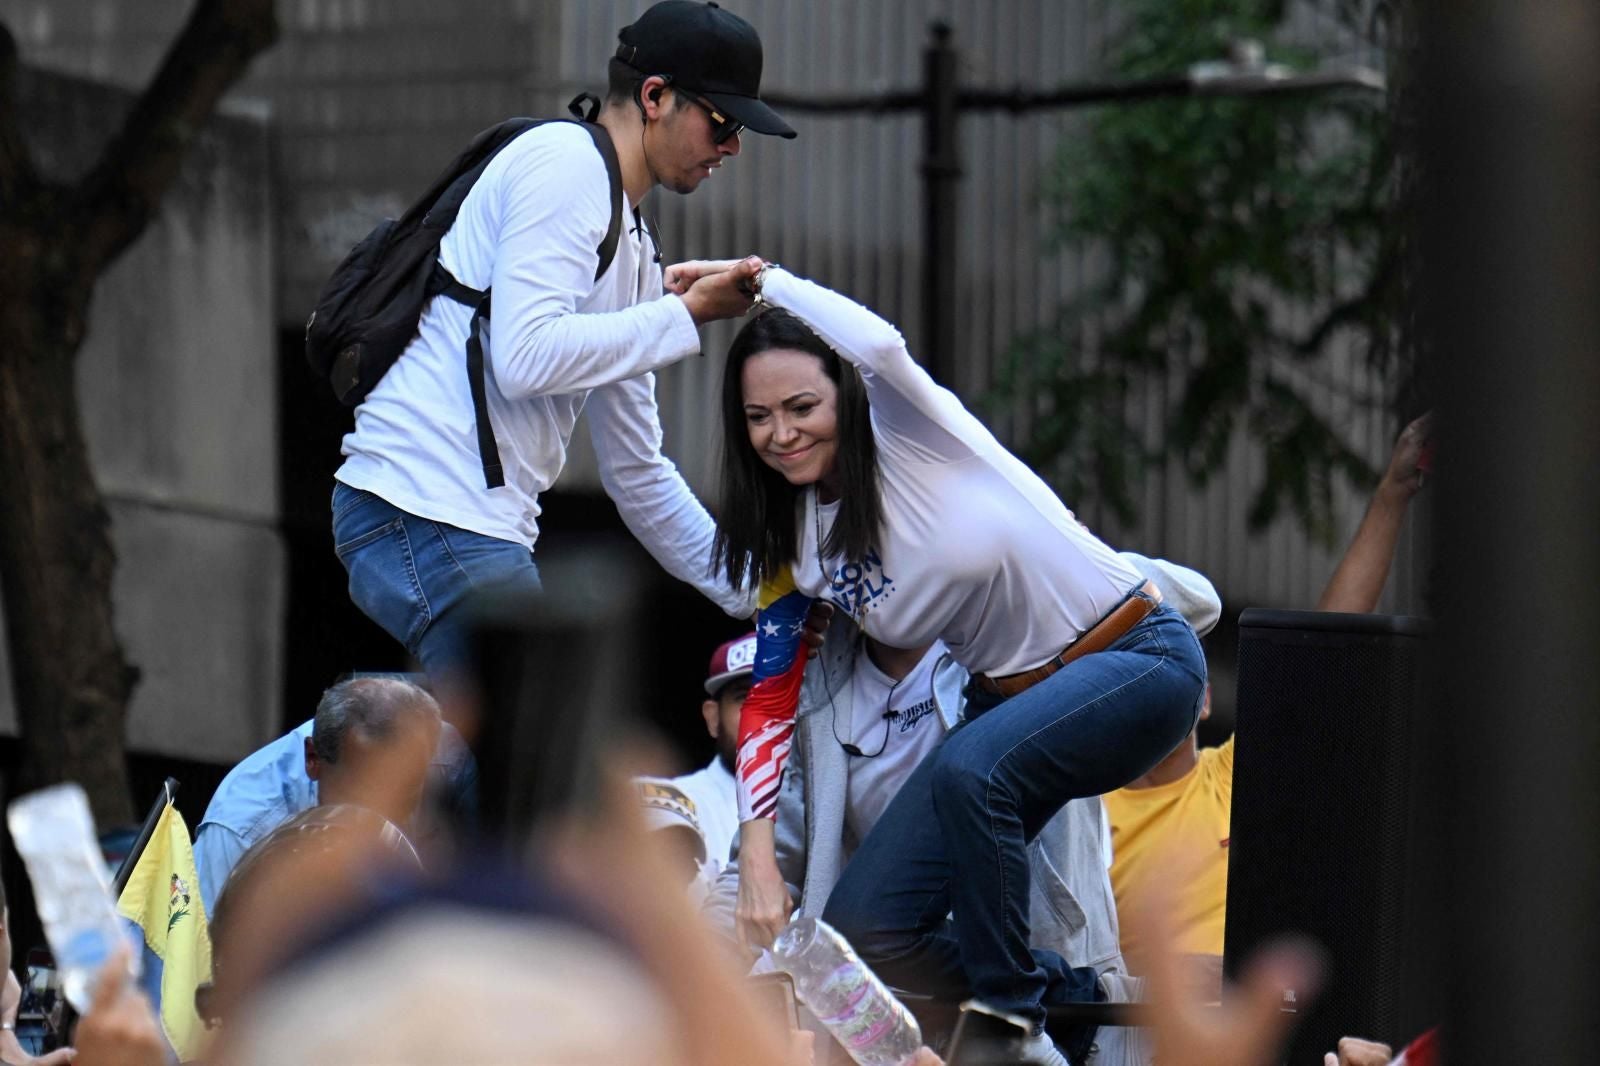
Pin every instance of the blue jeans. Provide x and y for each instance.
(416, 577)
(954, 839)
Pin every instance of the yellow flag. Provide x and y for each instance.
(163, 899)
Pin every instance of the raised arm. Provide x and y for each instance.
(654, 501)
(766, 723)
(1358, 580)
(554, 209)
(904, 397)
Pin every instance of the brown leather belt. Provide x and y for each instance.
(1104, 633)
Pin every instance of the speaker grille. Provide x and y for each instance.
(1326, 809)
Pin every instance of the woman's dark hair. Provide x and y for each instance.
(757, 523)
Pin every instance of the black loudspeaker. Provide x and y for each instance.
(1332, 814)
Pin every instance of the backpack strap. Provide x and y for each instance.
(608, 153)
(444, 283)
(488, 450)
(585, 108)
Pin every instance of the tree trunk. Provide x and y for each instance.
(70, 679)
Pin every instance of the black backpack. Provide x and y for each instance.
(370, 308)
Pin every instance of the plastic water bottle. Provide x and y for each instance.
(55, 835)
(873, 1027)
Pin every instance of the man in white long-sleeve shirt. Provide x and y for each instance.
(413, 521)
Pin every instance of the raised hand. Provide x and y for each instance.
(1405, 474)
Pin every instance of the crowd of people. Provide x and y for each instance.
(963, 731)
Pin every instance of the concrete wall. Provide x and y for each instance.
(178, 387)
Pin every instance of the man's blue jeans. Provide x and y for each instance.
(953, 840)
(416, 577)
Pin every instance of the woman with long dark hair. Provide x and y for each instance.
(850, 475)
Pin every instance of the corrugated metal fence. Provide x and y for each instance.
(842, 204)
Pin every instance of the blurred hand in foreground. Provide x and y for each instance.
(1355, 1052)
(1250, 1026)
(120, 1028)
(616, 864)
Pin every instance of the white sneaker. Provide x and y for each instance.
(1122, 988)
(1040, 1050)
(1116, 1045)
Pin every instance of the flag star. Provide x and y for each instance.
(769, 629)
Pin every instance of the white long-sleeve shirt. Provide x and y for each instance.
(558, 337)
(976, 549)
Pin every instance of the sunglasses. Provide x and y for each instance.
(723, 127)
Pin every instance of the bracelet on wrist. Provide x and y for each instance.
(759, 280)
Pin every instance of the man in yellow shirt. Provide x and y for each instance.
(1175, 818)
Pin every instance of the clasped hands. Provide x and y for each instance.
(713, 289)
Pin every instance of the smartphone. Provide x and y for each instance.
(42, 1014)
(775, 994)
(985, 1036)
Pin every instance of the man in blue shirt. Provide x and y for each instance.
(360, 725)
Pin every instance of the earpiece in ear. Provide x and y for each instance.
(639, 97)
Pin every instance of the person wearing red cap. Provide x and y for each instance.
(706, 801)
(413, 522)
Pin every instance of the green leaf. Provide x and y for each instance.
(1242, 236)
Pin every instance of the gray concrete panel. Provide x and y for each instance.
(178, 377)
(199, 607)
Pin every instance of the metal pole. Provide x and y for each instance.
(941, 178)
(169, 789)
(1511, 132)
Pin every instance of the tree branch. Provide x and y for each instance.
(17, 174)
(1351, 311)
(124, 190)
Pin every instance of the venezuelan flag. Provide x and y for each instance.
(163, 899)
(766, 724)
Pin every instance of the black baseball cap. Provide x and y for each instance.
(708, 51)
